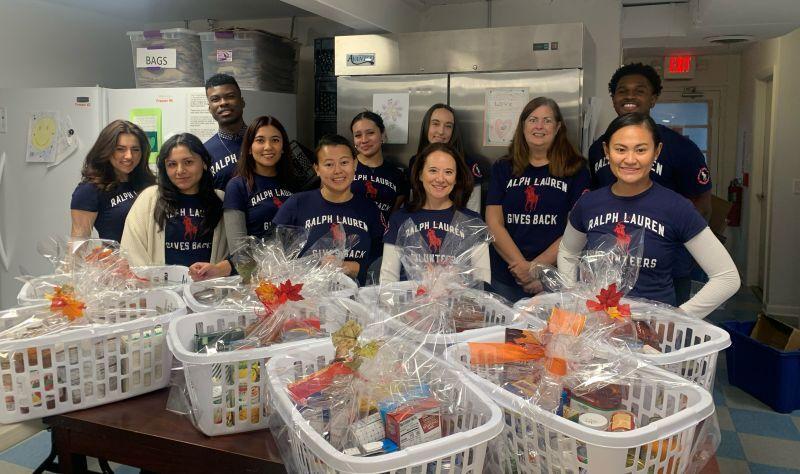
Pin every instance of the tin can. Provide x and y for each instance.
(622, 421)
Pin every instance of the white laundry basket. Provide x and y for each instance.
(227, 390)
(341, 287)
(85, 367)
(495, 314)
(163, 277)
(464, 451)
(536, 440)
(690, 346)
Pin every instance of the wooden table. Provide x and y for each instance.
(140, 432)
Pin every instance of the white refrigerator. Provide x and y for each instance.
(40, 160)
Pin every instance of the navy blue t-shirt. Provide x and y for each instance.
(359, 216)
(535, 208)
(436, 227)
(680, 167)
(111, 207)
(669, 219)
(224, 155)
(185, 242)
(260, 204)
(382, 185)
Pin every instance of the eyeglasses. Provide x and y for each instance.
(546, 121)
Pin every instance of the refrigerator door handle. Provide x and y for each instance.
(3, 255)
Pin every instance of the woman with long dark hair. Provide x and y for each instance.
(114, 173)
(669, 222)
(441, 185)
(439, 125)
(179, 221)
(374, 177)
(264, 180)
(530, 195)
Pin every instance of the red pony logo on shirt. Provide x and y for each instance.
(623, 239)
(189, 229)
(531, 199)
(277, 202)
(434, 242)
(372, 191)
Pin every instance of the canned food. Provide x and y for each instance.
(622, 421)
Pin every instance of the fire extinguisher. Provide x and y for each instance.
(735, 191)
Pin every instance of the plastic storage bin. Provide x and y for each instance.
(550, 443)
(188, 70)
(82, 368)
(166, 277)
(494, 313)
(463, 451)
(762, 371)
(227, 390)
(689, 348)
(258, 60)
(342, 287)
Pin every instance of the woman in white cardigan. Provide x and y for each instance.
(179, 220)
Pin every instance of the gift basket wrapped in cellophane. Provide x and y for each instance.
(96, 341)
(442, 302)
(575, 399)
(369, 400)
(661, 334)
(278, 252)
(69, 257)
(223, 351)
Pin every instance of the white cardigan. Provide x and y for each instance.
(144, 244)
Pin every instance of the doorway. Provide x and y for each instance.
(696, 116)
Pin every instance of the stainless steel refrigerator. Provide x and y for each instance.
(467, 69)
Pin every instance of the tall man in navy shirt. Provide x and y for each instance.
(680, 167)
(226, 105)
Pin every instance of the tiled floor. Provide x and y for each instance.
(755, 439)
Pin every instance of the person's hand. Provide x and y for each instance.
(534, 287)
(521, 271)
(351, 269)
(203, 270)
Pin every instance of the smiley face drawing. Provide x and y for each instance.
(43, 132)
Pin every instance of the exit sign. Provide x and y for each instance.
(679, 66)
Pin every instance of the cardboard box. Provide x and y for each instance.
(719, 216)
(414, 423)
(776, 334)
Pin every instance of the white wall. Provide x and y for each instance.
(783, 296)
(602, 18)
(48, 45)
(779, 58)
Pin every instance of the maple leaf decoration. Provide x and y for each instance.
(272, 296)
(608, 301)
(63, 302)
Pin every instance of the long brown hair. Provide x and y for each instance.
(246, 166)
(97, 168)
(462, 188)
(565, 160)
(455, 137)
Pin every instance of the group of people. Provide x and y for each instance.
(208, 197)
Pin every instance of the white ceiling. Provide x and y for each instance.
(157, 11)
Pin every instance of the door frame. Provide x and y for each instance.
(761, 163)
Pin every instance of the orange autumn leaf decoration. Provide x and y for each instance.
(63, 301)
(608, 300)
(272, 296)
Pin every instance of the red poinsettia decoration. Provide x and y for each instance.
(272, 296)
(608, 301)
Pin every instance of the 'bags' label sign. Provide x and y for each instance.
(162, 58)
